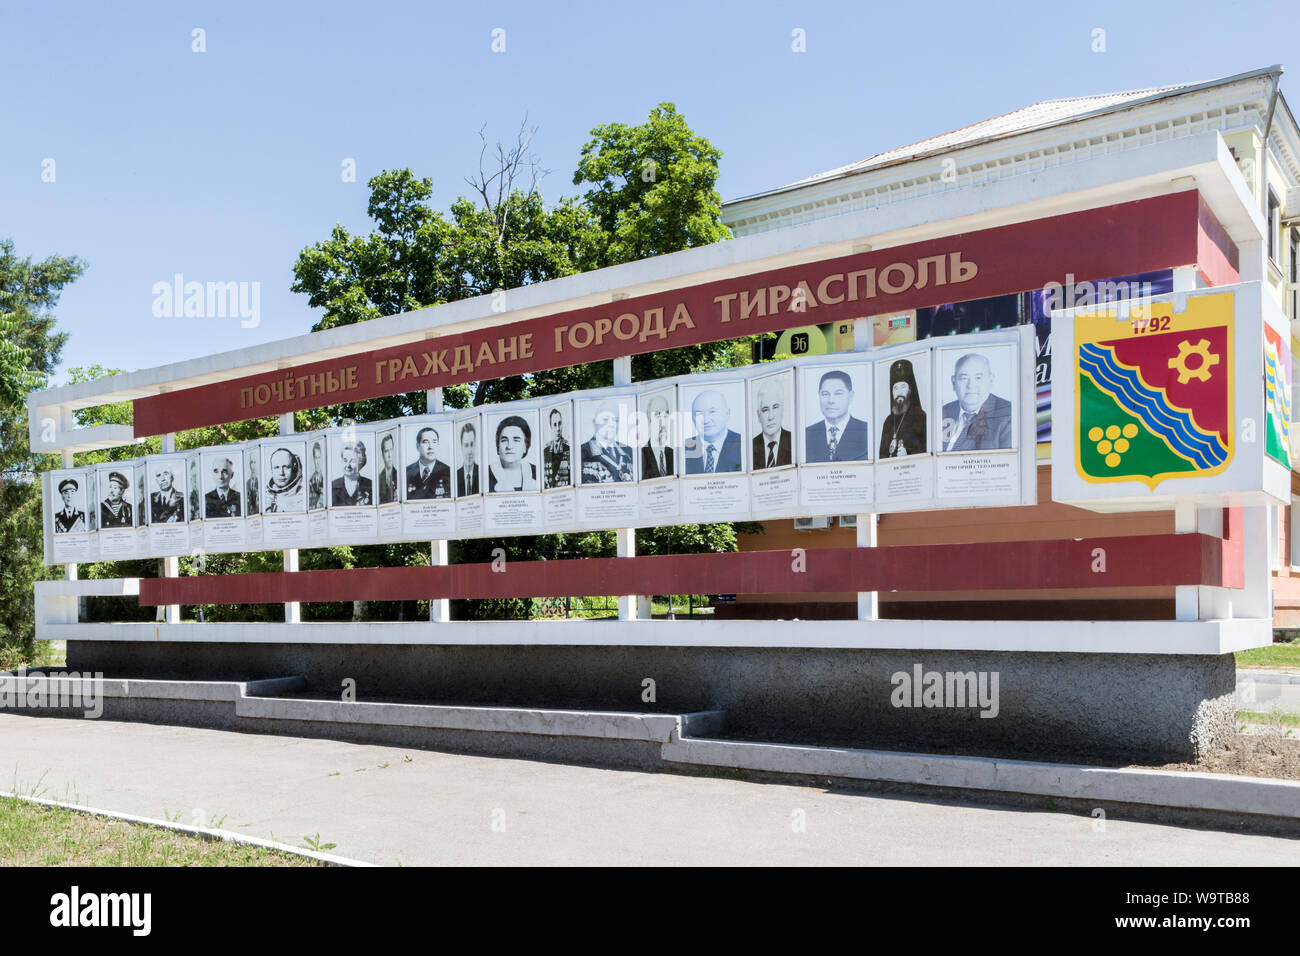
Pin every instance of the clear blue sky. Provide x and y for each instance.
(223, 165)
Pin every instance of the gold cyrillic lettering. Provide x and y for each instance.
(893, 288)
(957, 270)
(618, 326)
(869, 292)
(755, 306)
(680, 317)
(652, 323)
(923, 272)
(823, 288)
(588, 334)
(725, 302)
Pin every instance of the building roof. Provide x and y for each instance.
(1037, 116)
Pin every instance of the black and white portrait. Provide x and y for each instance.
(316, 471)
(194, 487)
(92, 496)
(284, 490)
(469, 457)
(390, 489)
(902, 394)
(834, 401)
(167, 479)
(223, 481)
(352, 463)
(604, 424)
(70, 507)
(771, 403)
(513, 462)
(714, 412)
(117, 509)
(252, 479)
(428, 448)
(977, 387)
(657, 433)
(557, 451)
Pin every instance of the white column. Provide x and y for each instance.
(439, 608)
(1187, 605)
(292, 609)
(629, 606)
(868, 601)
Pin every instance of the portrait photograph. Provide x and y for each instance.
(167, 483)
(351, 460)
(69, 506)
(902, 396)
(317, 471)
(515, 454)
(834, 411)
(770, 430)
(141, 496)
(252, 479)
(92, 495)
(194, 489)
(389, 481)
(117, 506)
(284, 487)
(604, 428)
(426, 456)
(557, 448)
(713, 413)
(656, 433)
(977, 391)
(222, 474)
(469, 456)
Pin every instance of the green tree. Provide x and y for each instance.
(654, 191)
(29, 353)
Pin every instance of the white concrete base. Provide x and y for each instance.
(1084, 637)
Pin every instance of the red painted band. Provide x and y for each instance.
(1143, 561)
(1141, 236)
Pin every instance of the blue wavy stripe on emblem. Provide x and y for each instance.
(1176, 427)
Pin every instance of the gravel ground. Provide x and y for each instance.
(1255, 755)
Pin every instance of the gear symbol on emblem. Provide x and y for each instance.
(1202, 371)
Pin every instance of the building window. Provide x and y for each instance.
(1274, 227)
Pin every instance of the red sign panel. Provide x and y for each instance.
(1124, 239)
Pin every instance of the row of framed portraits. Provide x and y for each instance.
(937, 423)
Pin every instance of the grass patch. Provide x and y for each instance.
(35, 835)
(42, 654)
(1270, 717)
(1275, 655)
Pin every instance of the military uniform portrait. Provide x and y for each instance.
(166, 491)
(70, 507)
(428, 448)
(557, 453)
(117, 489)
(902, 394)
(605, 454)
(223, 479)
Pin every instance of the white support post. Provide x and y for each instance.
(868, 601)
(439, 608)
(1186, 598)
(292, 609)
(630, 606)
(171, 613)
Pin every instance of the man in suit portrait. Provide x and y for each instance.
(467, 475)
(352, 489)
(194, 489)
(838, 436)
(316, 483)
(903, 431)
(427, 477)
(714, 447)
(556, 454)
(71, 518)
(604, 458)
(222, 501)
(977, 420)
(166, 504)
(388, 472)
(772, 445)
(657, 452)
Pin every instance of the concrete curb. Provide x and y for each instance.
(204, 833)
(1221, 793)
